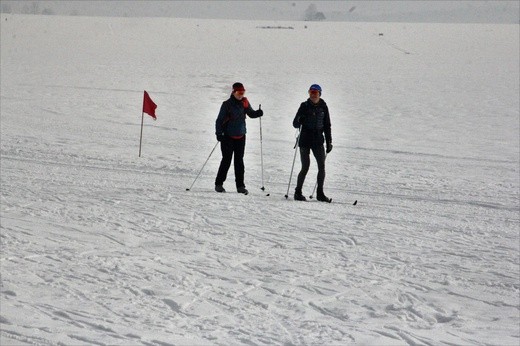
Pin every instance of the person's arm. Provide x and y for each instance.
(219, 123)
(327, 130)
(250, 111)
(299, 118)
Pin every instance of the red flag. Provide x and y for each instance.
(149, 106)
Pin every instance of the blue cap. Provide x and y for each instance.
(315, 87)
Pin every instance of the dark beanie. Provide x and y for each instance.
(238, 86)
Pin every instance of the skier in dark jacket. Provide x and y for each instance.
(313, 119)
(230, 129)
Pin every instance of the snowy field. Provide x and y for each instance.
(101, 247)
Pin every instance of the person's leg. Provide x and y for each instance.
(319, 154)
(226, 146)
(239, 146)
(306, 162)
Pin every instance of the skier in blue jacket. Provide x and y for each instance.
(230, 129)
(314, 121)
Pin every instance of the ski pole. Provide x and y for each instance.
(316, 184)
(261, 152)
(294, 159)
(197, 177)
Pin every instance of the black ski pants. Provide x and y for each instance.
(319, 154)
(229, 147)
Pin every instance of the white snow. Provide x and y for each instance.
(101, 247)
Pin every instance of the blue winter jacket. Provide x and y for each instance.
(231, 120)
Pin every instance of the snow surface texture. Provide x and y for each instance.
(101, 247)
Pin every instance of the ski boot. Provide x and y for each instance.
(322, 198)
(298, 196)
(243, 190)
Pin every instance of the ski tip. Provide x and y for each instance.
(355, 202)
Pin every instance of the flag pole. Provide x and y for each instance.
(149, 108)
(141, 139)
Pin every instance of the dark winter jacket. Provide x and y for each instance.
(315, 122)
(231, 120)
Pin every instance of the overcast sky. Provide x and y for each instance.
(401, 11)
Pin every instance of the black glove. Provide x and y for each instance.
(329, 147)
(259, 112)
(220, 137)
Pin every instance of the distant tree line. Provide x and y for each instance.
(27, 8)
(35, 7)
(312, 13)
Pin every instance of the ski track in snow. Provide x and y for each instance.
(100, 247)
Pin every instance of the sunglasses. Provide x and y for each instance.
(314, 92)
(240, 91)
